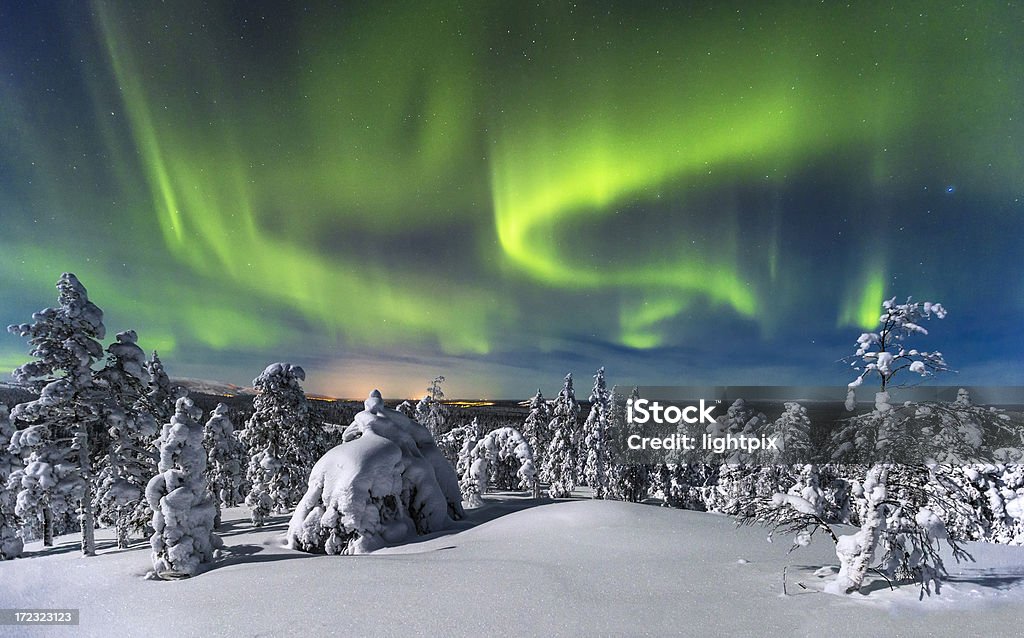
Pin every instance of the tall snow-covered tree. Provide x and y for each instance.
(883, 354)
(739, 420)
(10, 540)
(223, 471)
(596, 458)
(162, 393)
(894, 520)
(900, 505)
(129, 460)
(58, 472)
(183, 509)
(792, 430)
(467, 436)
(282, 445)
(561, 462)
(431, 412)
(628, 482)
(537, 432)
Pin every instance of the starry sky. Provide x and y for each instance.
(501, 192)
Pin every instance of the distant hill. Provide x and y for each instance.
(204, 386)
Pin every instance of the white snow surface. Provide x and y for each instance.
(513, 567)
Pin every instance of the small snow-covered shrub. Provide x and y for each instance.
(385, 482)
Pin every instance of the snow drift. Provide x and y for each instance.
(386, 482)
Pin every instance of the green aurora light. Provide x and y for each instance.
(429, 174)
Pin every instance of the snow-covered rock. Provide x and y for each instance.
(387, 481)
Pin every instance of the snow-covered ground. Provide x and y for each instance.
(515, 567)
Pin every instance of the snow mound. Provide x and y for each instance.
(387, 481)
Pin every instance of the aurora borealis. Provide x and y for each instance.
(501, 192)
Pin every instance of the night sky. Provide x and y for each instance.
(502, 192)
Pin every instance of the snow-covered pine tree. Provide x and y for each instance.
(130, 460)
(536, 431)
(223, 470)
(58, 473)
(683, 485)
(739, 420)
(451, 443)
(595, 437)
(740, 479)
(10, 540)
(183, 509)
(431, 412)
(281, 444)
(889, 432)
(560, 463)
(162, 393)
(470, 435)
(407, 408)
(899, 504)
(502, 459)
(884, 354)
(629, 482)
(792, 430)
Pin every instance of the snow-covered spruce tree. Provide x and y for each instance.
(407, 408)
(502, 460)
(683, 485)
(130, 460)
(281, 444)
(223, 470)
(58, 473)
(453, 442)
(10, 540)
(739, 420)
(470, 435)
(741, 477)
(536, 431)
(183, 509)
(629, 482)
(386, 482)
(560, 462)
(162, 393)
(792, 431)
(595, 438)
(431, 412)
